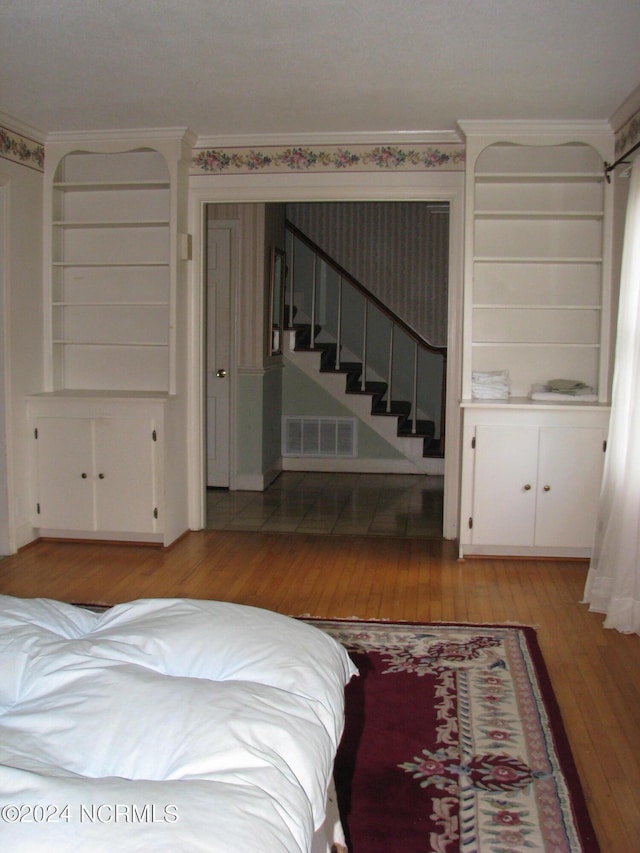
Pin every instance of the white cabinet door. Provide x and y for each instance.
(504, 485)
(65, 474)
(569, 476)
(97, 474)
(534, 488)
(124, 474)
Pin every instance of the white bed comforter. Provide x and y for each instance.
(165, 725)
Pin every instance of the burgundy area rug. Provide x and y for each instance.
(454, 742)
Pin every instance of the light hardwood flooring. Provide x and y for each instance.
(595, 672)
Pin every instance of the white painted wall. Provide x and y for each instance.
(22, 191)
(5, 526)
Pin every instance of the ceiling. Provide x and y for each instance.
(296, 67)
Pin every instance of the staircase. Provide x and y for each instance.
(346, 340)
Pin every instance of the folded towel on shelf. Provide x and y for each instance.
(569, 386)
(490, 385)
(564, 389)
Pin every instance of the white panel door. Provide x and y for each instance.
(570, 472)
(65, 474)
(124, 475)
(218, 354)
(504, 485)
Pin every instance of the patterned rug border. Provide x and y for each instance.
(560, 737)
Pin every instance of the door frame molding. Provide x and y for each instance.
(197, 358)
(445, 186)
(7, 517)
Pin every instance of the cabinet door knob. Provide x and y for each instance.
(221, 373)
(546, 488)
(101, 476)
(527, 487)
(83, 475)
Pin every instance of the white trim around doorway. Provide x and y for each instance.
(395, 186)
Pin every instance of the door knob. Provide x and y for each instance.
(527, 487)
(546, 488)
(221, 373)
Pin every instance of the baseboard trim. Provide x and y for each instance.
(255, 482)
(524, 552)
(433, 467)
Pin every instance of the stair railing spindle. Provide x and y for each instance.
(339, 324)
(390, 370)
(312, 342)
(291, 277)
(414, 406)
(363, 379)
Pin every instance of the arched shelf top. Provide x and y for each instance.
(571, 160)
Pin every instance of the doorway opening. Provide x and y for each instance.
(231, 192)
(372, 503)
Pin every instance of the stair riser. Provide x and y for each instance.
(359, 404)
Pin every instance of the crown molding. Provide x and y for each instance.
(399, 137)
(22, 128)
(626, 111)
(124, 135)
(534, 127)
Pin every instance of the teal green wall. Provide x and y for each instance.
(263, 398)
(272, 420)
(258, 407)
(301, 396)
(249, 417)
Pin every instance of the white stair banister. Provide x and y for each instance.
(339, 324)
(314, 282)
(291, 270)
(390, 368)
(363, 380)
(414, 402)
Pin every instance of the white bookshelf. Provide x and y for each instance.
(536, 304)
(108, 455)
(111, 276)
(538, 256)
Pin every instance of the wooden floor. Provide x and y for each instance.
(595, 672)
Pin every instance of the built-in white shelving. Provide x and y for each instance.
(536, 290)
(536, 304)
(109, 456)
(112, 278)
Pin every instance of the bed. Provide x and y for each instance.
(167, 725)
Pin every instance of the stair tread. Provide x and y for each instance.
(422, 428)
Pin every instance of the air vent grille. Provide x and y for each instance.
(307, 436)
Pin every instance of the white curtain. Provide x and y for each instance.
(613, 582)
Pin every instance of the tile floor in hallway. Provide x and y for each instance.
(406, 505)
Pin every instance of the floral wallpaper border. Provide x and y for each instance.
(20, 149)
(628, 135)
(276, 159)
(331, 158)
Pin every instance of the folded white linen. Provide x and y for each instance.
(544, 393)
(490, 385)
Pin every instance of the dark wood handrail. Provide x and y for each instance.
(411, 332)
